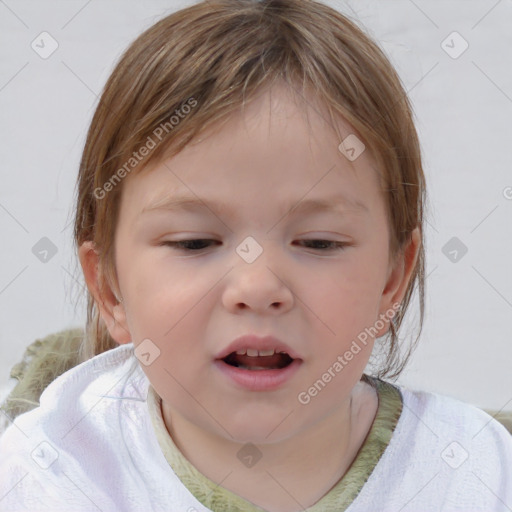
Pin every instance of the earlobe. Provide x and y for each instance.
(111, 310)
(119, 330)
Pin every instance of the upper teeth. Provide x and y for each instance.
(252, 352)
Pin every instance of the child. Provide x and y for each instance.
(249, 222)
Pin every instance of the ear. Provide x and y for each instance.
(399, 275)
(112, 311)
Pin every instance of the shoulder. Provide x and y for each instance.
(450, 416)
(77, 388)
(79, 391)
(72, 428)
(444, 454)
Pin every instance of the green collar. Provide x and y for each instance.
(338, 499)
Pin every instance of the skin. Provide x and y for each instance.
(193, 304)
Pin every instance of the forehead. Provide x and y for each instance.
(279, 144)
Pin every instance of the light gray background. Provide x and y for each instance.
(463, 108)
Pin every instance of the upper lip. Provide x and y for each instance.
(252, 341)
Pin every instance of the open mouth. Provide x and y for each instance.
(276, 361)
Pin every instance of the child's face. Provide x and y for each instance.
(193, 304)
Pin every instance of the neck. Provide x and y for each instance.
(292, 473)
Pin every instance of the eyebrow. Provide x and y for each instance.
(341, 203)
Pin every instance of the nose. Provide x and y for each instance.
(260, 286)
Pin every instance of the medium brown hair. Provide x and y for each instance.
(220, 54)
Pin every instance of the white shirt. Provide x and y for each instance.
(91, 446)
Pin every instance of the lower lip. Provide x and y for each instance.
(259, 380)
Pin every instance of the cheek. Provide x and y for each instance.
(154, 284)
(357, 284)
(347, 305)
(167, 309)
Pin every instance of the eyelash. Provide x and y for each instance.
(184, 245)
